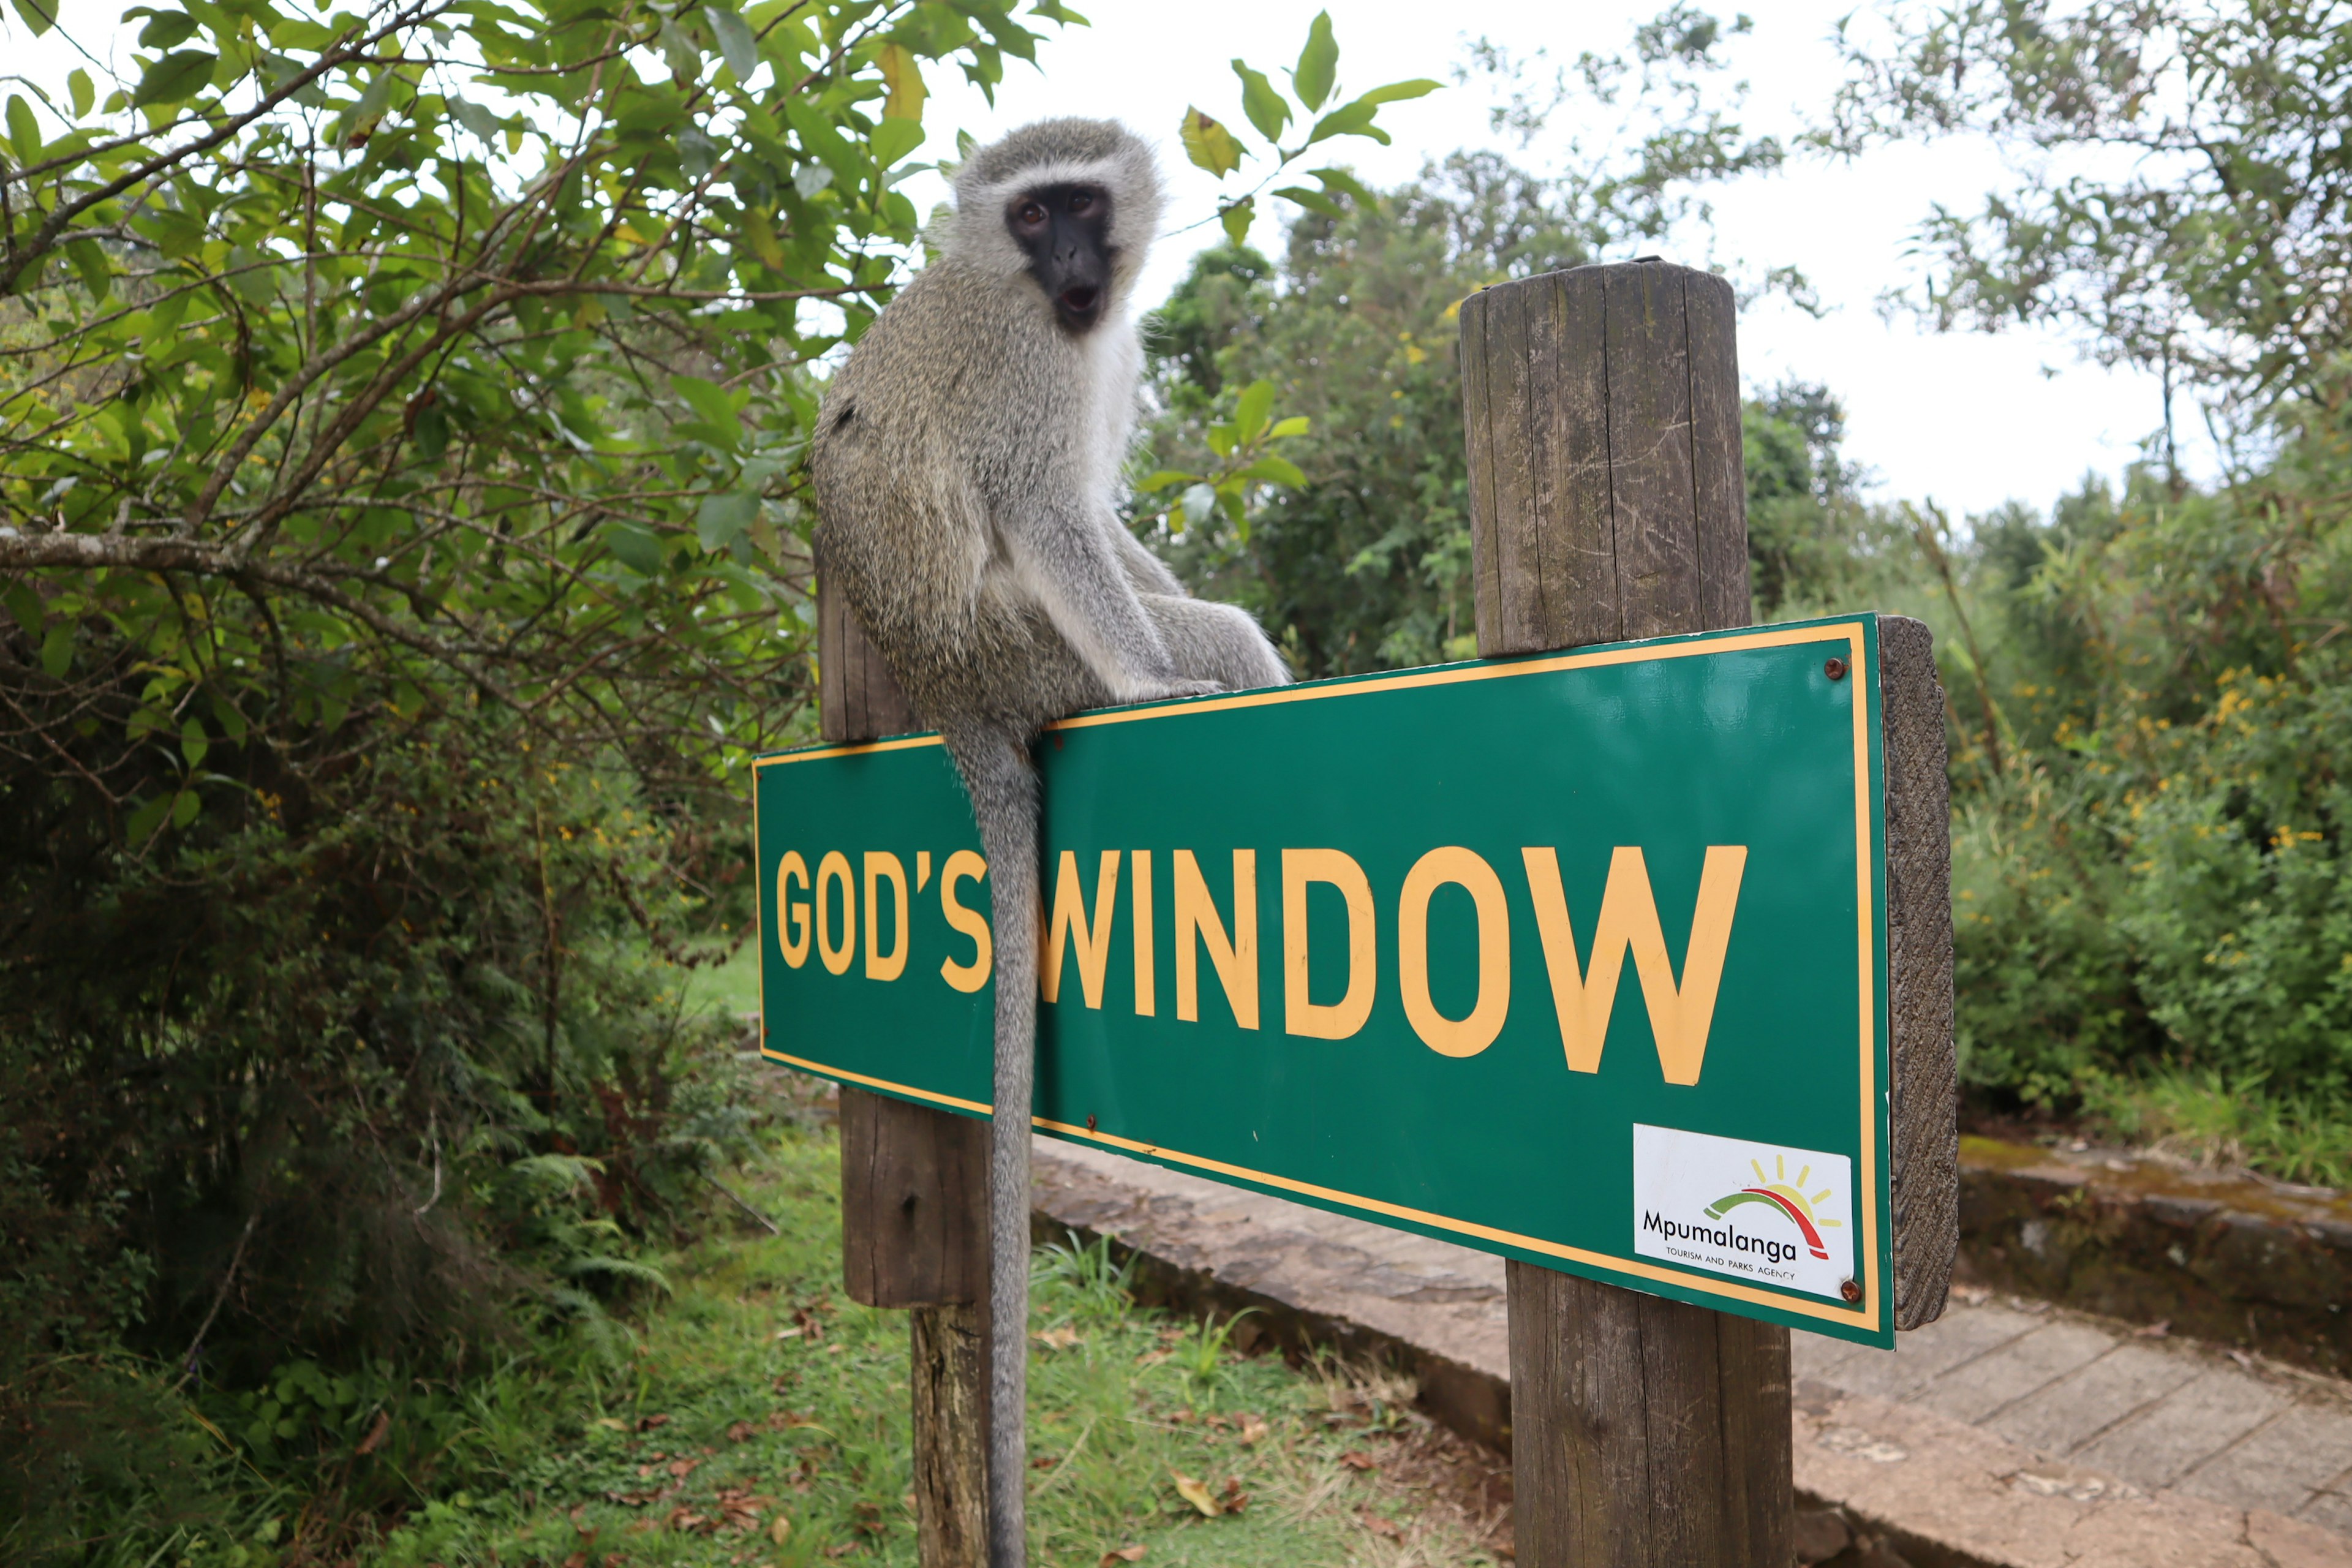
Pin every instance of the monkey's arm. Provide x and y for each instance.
(1075, 572)
(1145, 570)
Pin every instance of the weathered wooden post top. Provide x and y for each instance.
(1623, 952)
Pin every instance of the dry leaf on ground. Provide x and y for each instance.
(1197, 1493)
(1253, 1430)
(1119, 1554)
(1387, 1528)
(780, 1529)
(1060, 1339)
(1357, 1459)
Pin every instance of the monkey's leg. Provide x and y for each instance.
(1210, 641)
(1004, 789)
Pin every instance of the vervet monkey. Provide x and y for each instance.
(967, 465)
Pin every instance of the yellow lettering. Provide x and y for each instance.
(1679, 1017)
(835, 867)
(791, 917)
(965, 977)
(1235, 961)
(881, 863)
(922, 869)
(1300, 1014)
(1070, 922)
(1448, 1036)
(1147, 999)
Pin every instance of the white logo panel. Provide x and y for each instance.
(1761, 1212)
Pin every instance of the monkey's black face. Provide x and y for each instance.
(1065, 229)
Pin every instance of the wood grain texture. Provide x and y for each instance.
(856, 697)
(1645, 1432)
(1924, 1164)
(949, 1369)
(1608, 501)
(1653, 505)
(914, 1196)
(1718, 472)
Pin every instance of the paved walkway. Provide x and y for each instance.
(2155, 1412)
(2007, 1432)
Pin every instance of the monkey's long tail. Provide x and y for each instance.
(1003, 784)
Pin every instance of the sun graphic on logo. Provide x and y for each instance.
(1790, 1199)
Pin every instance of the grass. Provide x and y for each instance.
(755, 1417)
(2222, 1123)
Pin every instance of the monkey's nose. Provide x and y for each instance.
(1080, 300)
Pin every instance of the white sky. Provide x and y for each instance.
(1969, 420)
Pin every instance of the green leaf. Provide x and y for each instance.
(195, 742)
(635, 548)
(84, 95)
(1399, 92)
(183, 812)
(892, 139)
(906, 82)
(1318, 63)
(23, 130)
(167, 30)
(56, 650)
(1166, 478)
(685, 55)
(1349, 120)
(710, 400)
(181, 74)
(39, 16)
(723, 517)
(1277, 470)
(736, 45)
(432, 432)
(88, 258)
(1250, 412)
(697, 152)
(1340, 181)
(1209, 144)
(1313, 201)
(475, 118)
(145, 820)
(1286, 428)
(1265, 108)
(361, 122)
(1236, 219)
(25, 605)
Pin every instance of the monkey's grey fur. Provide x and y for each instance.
(967, 466)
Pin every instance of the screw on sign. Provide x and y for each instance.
(1317, 954)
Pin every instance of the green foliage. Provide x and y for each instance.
(1362, 561)
(1211, 145)
(2188, 203)
(755, 1416)
(2150, 702)
(403, 551)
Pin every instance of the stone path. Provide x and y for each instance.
(2157, 1413)
(2008, 1433)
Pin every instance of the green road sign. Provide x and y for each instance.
(1578, 958)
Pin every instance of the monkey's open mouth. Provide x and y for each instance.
(1081, 302)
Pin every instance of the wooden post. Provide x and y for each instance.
(914, 1196)
(1608, 502)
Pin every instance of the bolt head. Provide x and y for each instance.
(1834, 669)
(1850, 1289)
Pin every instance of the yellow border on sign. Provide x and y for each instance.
(1850, 632)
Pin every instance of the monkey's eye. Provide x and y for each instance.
(1030, 213)
(1082, 201)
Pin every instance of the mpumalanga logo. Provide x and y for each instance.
(1788, 1197)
